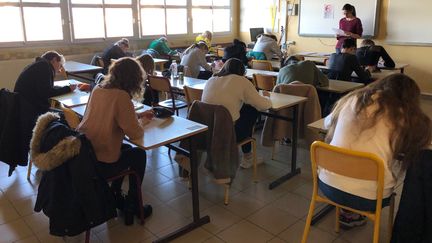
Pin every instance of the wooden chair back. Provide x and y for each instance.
(192, 94)
(353, 164)
(264, 82)
(262, 65)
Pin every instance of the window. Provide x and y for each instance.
(163, 17)
(30, 20)
(213, 15)
(94, 19)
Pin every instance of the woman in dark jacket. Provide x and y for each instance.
(35, 85)
(115, 51)
(236, 50)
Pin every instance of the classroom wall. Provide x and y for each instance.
(418, 57)
(13, 60)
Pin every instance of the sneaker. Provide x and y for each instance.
(351, 220)
(247, 161)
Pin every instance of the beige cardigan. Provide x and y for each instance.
(310, 111)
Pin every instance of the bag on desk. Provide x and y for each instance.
(166, 73)
(162, 112)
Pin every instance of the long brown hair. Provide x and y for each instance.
(398, 99)
(126, 74)
(147, 63)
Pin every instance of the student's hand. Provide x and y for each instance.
(266, 93)
(347, 33)
(84, 87)
(72, 87)
(148, 115)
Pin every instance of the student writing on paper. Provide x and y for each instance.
(236, 50)
(383, 118)
(35, 86)
(231, 89)
(115, 51)
(341, 65)
(193, 58)
(350, 24)
(159, 48)
(369, 54)
(304, 71)
(110, 115)
(267, 45)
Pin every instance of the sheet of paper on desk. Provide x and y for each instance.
(339, 32)
(137, 105)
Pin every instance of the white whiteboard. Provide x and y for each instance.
(408, 22)
(314, 22)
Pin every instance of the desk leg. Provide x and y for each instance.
(320, 214)
(197, 220)
(402, 70)
(294, 170)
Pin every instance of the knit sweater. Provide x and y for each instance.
(109, 116)
(232, 91)
(305, 72)
(194, 60)
(376, 140)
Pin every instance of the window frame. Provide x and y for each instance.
(66, 8)
(21, 5)
(212, 7)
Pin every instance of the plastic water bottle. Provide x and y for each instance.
(173, 69)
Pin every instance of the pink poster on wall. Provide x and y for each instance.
(328, 11)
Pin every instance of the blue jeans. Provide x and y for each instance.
(349, 200)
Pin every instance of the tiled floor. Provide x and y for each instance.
(254, 214)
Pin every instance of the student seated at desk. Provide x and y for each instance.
(303, 71)
(159, 48)
(110, 115)
(369, 54)
(115, 51)
(236, 50)
(383, 118)
(193, 58)
(35, 86)
(231, 89)
(206, 36)
(341, 65)
(147, 63)
(266, 44)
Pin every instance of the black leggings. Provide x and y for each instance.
(244, 125)
(130, 158)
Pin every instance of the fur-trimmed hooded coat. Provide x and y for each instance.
(70, 193)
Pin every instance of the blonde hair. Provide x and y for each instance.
(207, 34)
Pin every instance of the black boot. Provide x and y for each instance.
(129, 210)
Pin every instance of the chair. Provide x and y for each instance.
(349, 163)
(140, 201)
(218, 119)
(73, 121)
(192, 94)
(262, 65)
(162, 84)
(264, 82)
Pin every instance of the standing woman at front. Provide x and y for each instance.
(350, 24)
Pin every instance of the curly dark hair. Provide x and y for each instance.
(126, 74)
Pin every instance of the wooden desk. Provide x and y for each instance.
(188, 81)
(281, 101)
(72, 99)
(276, 64)
(73, 68)
(250, 72)
(375, 75)
(340, 87)
(163, 132)
(159, 63)
(399, 66)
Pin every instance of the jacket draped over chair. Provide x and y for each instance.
(310, 111)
